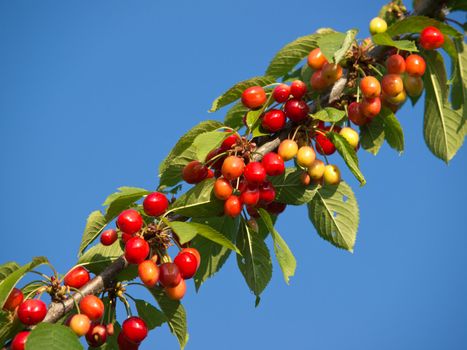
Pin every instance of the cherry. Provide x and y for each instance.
(273, 120)
(276, 207)
(350, 135)
(324, 145)
(250, 195)
(80, 324)
(415, 65)
(316, 170)
(233, 167)
(148, 272)
(254, 173)
(130, 221)
(194, 172)
(431, 38)
(355, 114)
(195, 252)
(136, 250)
(287, 149)
(92, 307)
(298, 89)
(97, 335)
(316, 59)
(305, 156)
(77, 277)
(370, 107)
(126, 237)
(331, 72)
(19, 341)
(155, 204)
(273, 164)
(15, 298)
(177, 292)
(187, 264)
(222, 189)
(296, 110)
(396, 100)
(125, 344)
(395, 64)
(110, 329)
(169, 275)
(217, 163)
(305, 179)
(281, 93)
(108, 237)
(378, 25)
(267, 192)
(134, 329)
(392, 84)
(317, 81)
(229, 142)
(32, 311)
(332, 175)
(254, 97)
(253, 212)
(233, 206)
(370, 87)
(413, 86)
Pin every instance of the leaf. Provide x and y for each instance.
(335, 45)
(415, 24)
(174, 313)
(334, 213)
(459, 73)
(255, 262)
(234, 116)
(119, 201)
(329, 114)
(284, 256)
(52, 337)
(372, 135)
(392, 130)
(7, 269)
(8, 327)
(94, 226)
(345, 46)
(385, 39)
(349, 155)
(150, 314)
(206, 142)
(186, 231)
(289, 188)
(9, 282)
(444, 128)
(199, 201)
(100, 256)
(235, 92)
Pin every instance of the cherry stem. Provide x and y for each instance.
(42, 275)
(127, 305)
(375, 70)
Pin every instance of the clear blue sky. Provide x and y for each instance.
(94, 94)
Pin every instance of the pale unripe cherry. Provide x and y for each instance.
(332, 174)
(350, 135)
(378, 25)
(413, 85)
(306, 156)
(287, 149)
(396, 100)
(316, 170)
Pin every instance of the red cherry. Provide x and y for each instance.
(253, 212)
(92, 307)
(250, 195)
(395, 64)
(254, 173)
(19, 341)
(273, 120)
(267, 192)
(194, 172)
(169, 275)
(281, 93)
(415, 65)
(276, 208)
(195, 252)
(32, 311)
(134, 329)
(431, 38)
(273, 164)
(187, 264)
(216, 164)
(130, 221)
(229, 142)
(125, 344)
(355, 114)
(136, 250)
(254, 97)
(148, 272)
(233, 206)
(233, 167)
(317, 81)
(77, 277)
(15, 298)
(126, 237)
(97, 335)
(370, 107)
(108, 237)
(297, 89)
(324, 145)
(177, 292)
(155, 204)
(296, 110)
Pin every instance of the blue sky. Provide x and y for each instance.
(94, 94)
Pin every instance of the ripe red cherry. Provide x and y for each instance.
(19, 341)
(77, 277)
(276, 208)
(187, 264)
(415, 65)
(317, 81)
(253, 212)
(135, 329)
(355, 114)
(97, 335)
(195, 252)
(130, 221)
(298, 89)
(254, 173)
(273, 120)
(392, 85)
(370, 87)
(395, 64)
(216, 164)
(267, 192)
(229, 142)
(296, 110)
(273, 164)
(108, 237)
(155, 204)
(281, 93)
(222, 189)
(125, 344)
(370, 107)
(233, 206)
(316, 59)
(324, 145)
(92, 307)
(126, 237)
(14, 300)
(32, 311)
(250, 195)
(148, 272)
(233, 167)
(254, 97)
(194, 172)
(431, 38)
(331, 72)
(136, 250)
(169, 275)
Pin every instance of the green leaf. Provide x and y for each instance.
(329, 114)
(415, 24)
(94, 226)
(349, 39)
(234, 116)
(30, 287)
(100, 256)
(284, 256)
(459, 70)
(392, 130)
(119, 201)
(8, 327)
(186, 231)
(289, 188)
(334, 213)
(199, 201)
(372, 135)
(7, 269)
(444, 128)
(235, 92)
(174, 313)
(255, 262)
(385, 39)
(52, 337)
(206, 142)
(457, 5)
(150, 314)
(335, 45)
(349, 155)
(9, 282)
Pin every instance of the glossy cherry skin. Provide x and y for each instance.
(250, 195)
(148, 272)
(92, 307)
(77, 277)
(392, 84)
(431, 38)
(32, 311)
(378, 25)
(254, 173)
(317, 81)
(15, 298)
(130, 221)
(395, 64)
(155, 204)
(108, 237)
(97, 335)
(267, 192)
(287, 149)
(229, 142)
(233, 167)
(177, 292)
(415, 65)
(332, 175)
(316, 59)
(273, 120)
(187, 264)
(253, 212)
(281, 93)
(125, 344)
(222, 189)
(276, 208)
(216, 164)
(370, 87)
(273, 164)
(370, 107)
(331, 72)
(305, 156)
(80, 324)
(254, 97)
(126, 237)
(194, 172)
(296, 110)
(135, 329)
(324, 145)
(298, 89)
(169, 275)
(413, 86)
(233, 206)
(19, 341)
(136, 250)
(355, 114)
(195, 252)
